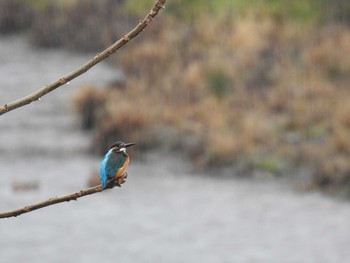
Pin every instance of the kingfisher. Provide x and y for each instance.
(115, 162)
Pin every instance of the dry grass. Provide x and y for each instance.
(261, 93)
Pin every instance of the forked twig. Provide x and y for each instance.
(88, 65)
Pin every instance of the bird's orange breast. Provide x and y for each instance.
(122, 169)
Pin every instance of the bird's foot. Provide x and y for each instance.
(117, 181)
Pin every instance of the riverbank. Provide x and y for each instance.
(267, 95)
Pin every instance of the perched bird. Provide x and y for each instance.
(115, 162)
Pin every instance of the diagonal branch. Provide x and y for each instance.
(64, 198)
(51, 201)
(88, 65)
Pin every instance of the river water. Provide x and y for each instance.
(162, 214)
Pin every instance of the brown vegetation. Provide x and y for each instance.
(253, 89)
(264, 93)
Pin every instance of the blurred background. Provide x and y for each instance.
(241, 114)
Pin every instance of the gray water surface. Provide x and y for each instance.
(162, 214)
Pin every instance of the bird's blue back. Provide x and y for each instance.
(110, 165)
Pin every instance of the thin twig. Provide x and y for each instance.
(64, 198)
(88, 65)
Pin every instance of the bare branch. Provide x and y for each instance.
(88, 65)
(64, 198)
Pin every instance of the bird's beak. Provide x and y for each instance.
(129, 144)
